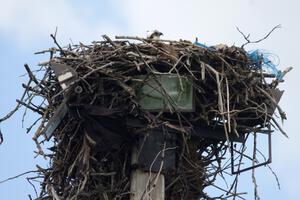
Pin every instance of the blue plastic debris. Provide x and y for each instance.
(261, 59)
(203, 45)
(200, 44)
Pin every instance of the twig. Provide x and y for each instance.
(17, 106)
(17, 176)
(1, 137)
(55, 41)
(248, 41)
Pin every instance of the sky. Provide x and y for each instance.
(25, 27)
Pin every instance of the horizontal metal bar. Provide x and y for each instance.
(268, 161)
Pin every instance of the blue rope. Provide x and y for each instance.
(261, 59)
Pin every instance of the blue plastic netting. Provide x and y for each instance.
(265, 60)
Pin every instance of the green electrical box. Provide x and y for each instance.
(166, 92)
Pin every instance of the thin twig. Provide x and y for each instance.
(248, 41)
(17, 176)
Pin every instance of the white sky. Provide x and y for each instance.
(25, 27)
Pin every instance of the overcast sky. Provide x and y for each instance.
(25, 27)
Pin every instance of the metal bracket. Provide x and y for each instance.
(66, 75)
(268, 161)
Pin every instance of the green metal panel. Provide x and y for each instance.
(165, 92)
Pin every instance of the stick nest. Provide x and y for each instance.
(91, 153)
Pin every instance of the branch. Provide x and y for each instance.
(1, 137)
(17, 106)
(248, 41)
(17, 176)
(55, 42)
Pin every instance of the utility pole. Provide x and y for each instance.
(147, 184)
(154, 152)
